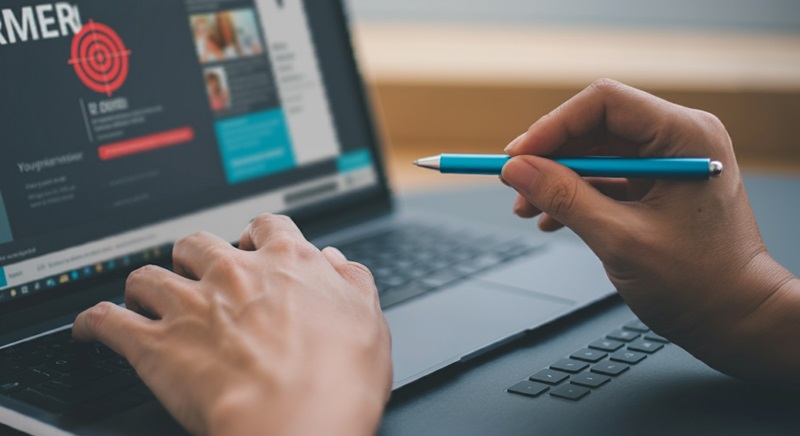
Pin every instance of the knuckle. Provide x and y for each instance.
(360, 271)
(605, 86)
(711, 122)
(289, 245)
(226, 264)
(266, 220)
(96, 316)
(186, 243)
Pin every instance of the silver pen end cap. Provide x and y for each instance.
(715, 168)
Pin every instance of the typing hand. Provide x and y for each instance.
(686, 256)
(273, 338)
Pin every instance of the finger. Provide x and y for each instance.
(548, 224)
(122, 330)
(193, 255)
(155, 291)
(335, 257)
(357, 274)
(618, 189)
(524, 209)
(608, 108)
(562, 194)
(265, 229)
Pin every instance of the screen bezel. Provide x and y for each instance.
(25, 317)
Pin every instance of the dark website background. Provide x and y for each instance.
(42, 97)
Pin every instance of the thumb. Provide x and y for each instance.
(564, 195)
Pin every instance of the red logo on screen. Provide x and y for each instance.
(100, 58)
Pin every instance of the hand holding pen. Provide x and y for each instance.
(686, 256)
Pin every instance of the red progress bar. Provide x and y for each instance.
(146, 143)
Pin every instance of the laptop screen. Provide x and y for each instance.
(128, 124)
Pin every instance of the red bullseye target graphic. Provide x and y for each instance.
(100, 58)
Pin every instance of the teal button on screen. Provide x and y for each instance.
(5, 228)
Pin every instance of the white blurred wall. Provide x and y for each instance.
(752, 15)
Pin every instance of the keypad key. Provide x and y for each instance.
(528, 388)
(589, 380)
(656, 338)
(623, 335)
(645, 346)
(570, 392)
(609, 345)
(637, 326)
(569, 365)
(549, 376)
(627, 356)
(610, 368)
(589, 355)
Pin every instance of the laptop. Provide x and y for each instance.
(130, 124)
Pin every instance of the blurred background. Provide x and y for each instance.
(470, 75)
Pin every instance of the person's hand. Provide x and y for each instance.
(687, 256)
(273, 338)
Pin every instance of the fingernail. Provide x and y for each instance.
(514, 143)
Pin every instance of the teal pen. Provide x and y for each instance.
(616, 167)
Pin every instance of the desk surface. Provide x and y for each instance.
(670, 393)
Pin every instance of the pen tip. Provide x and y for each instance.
(416, 162)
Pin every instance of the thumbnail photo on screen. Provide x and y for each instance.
(226, 35)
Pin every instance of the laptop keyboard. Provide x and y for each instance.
(577, 375)
(79, 381)
(84, 382)
(413, 260)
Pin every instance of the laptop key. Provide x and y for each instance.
(590, 380)
(10, 385)
(41, 400)
(610, 368)
(441, 278)
(569, 365)
(66, 364)
(72, 392)
(609, 345)
(549, 376)
(627, 356)
(92, 372)
(589, 355)
(570, 392)
(623, 335)
(402, 293)
(645, 346)
(637, 326)
(656, 338)
(528, 388)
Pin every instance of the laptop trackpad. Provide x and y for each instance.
(436, 330)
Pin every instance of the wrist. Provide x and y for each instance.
(307, 408)
(752, 327)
